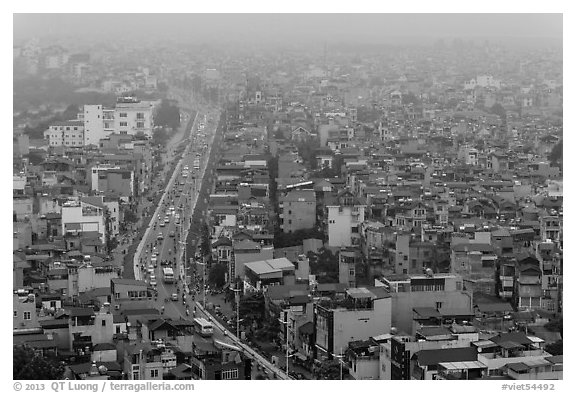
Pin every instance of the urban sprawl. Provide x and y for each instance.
(187, 214)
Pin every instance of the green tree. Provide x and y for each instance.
(498, 109)
(29, 365)
(205, 246)
(217, 275)
(160, 137)
(555, 348)
(555, 156)
(168, 115)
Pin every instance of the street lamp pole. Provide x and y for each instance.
(203, 282)
(341, 363)
(286, 339)
(237, 298)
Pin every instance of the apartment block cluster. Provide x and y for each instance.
(446, 219)
(75, 198)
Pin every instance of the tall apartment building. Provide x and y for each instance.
(298, 210)
(129, 116)
(98, 123)
(345, 215)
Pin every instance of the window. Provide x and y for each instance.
(117, 329)
(230, 374)
(27, 315)
(140, 116)
(103, 322)
(154, 373)
(438, 305)
(351, 272)
(140, 124)
(123, 124)
(289, 211)
(123, 114)
(15, 314)
(405, 257)
(354, 229)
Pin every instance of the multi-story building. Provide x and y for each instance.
(98, 123)
(133, 116)
(84, 215)
(67, 133)
(130, 116)
(87, 328)
(298, 210)
(143, 361)
(345, 214)
(24, 310)
(441, 292)
(363, 313)
(348, 258)
(128, 293)
(261, 274)
(217, 360)
(114, 180)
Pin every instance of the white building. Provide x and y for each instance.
(67, 133)
(98, 123)
(133, 116)
(86, 215)
(344, 219)
(130, 116)
(364, 313)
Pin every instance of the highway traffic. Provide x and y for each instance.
(164, 242)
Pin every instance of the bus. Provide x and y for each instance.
(168, 275)
(203, 327)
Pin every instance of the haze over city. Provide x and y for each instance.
(296, 28)
(287, 197)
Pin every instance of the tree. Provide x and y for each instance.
(168, 115)
(205, 246)
(217, 275)
(160, 137)
(498, 109)
(29, 365)
(555, 156)
(555, 325)
(554, 348)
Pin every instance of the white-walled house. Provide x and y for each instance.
(345, 215)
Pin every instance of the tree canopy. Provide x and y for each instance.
(555, 156)
(29, 365)
(168, 115)
(217, 274)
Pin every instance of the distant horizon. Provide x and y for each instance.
(364, 29)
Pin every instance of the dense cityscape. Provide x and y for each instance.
(317, 212)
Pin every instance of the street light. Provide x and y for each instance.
(237, 297)
(203, 282)
(286, 339)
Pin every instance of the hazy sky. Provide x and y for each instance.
(297, 27)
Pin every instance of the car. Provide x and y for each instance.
(160, 236)
(150, 269)
(162, 224)
(174, 297)
(153, 282)
(166, 220)
(172, 234)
